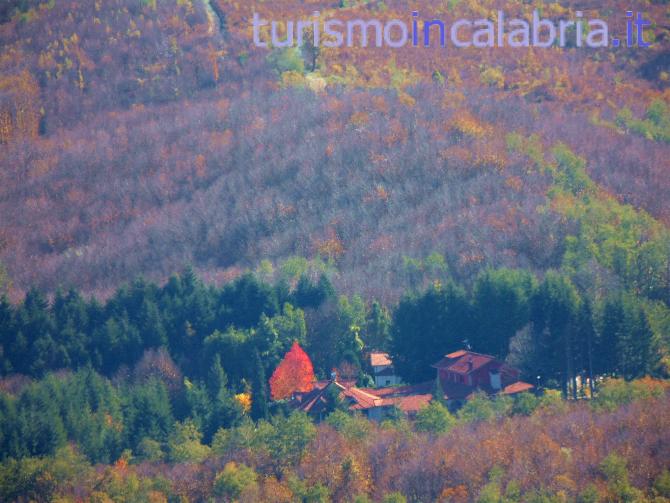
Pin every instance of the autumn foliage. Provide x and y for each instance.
(139, 136)
(560, 452)
(294, 373)
(132, 143)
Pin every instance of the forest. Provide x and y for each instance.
(545, 327)
(540, 450)
(178, 376)
(179, 209)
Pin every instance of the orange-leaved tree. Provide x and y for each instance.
(294, 373)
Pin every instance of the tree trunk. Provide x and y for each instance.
(589, 351)
(567, 375)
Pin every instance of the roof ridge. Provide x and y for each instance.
(359, 390)
(467, 351)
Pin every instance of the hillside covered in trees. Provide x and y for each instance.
(138, 137)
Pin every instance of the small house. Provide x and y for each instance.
(382, 370)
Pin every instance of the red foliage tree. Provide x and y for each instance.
(294, 373)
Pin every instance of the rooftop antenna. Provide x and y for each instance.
(466, 343)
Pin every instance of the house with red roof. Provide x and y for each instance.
(477, 370)
(462, 374)
(373, 403)
(382, 370)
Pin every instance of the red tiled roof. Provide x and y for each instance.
(315, 398)
(361, 399)
(464, 362)
(457, 354)
(408, 404)
(470, 363)
(345, 383)
(517, 387)
(378, 359)
(443, 363)
(415, 389)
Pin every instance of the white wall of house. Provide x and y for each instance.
(380, 368)
(386, 380)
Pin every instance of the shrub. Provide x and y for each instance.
(616, 392)
(352, 427)
(287, 60)
(662, 484)
(589, 495)
(525, 404)
(185, 444)
(234, 480)
(150, 450)
(493, 77)
(434, 418)
(614, 468)
(483, 408)
(394, 497)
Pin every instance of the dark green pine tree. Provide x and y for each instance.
(7, 337)
(226, 411)
(151, 326)
(428, 326)
(554, 311)
(35, 323)
(259, 390)
(147, 412)
(188, 315)
(199, 405)
(11, 443)
(626, 344)
(501, 302)
(585, 359)
(282, 291)
(93, 416)
(308, 295)
(189, 280)
(72, 321)
(217, 379)
(635, 343)
(244, 301)
(40, 422)
(610, 326)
